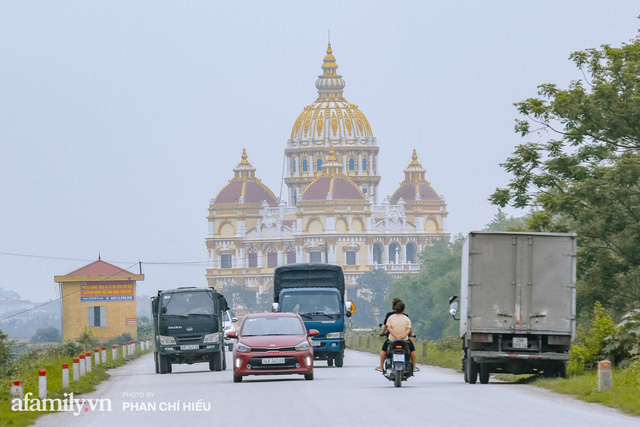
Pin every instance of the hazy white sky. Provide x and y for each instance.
(120, 120)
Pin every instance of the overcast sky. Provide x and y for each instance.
(120, 120)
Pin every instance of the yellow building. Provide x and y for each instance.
(332, 214)
(100, 296)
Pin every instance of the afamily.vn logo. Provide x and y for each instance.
(66, 404)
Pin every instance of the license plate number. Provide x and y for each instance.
(189, 347)
(316, 343)
(520, 342)
(273, 360)
(398, 357)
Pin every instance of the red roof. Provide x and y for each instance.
(254, 192)
(343, 189)
(408, 192)
(99, 268)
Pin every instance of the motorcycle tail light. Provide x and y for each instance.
(398, 346)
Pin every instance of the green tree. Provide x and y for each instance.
(145, 327)
(503, 222)
(586, 177)
(50, 334)
(372, 289)
(426, 295)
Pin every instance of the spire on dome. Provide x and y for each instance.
(330, 84)
(332, 166)
(244, 168)
(415, 171)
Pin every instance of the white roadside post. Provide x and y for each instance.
(114, 352)
(141, 344)
(16, 391)
(97, 356)
(65, 376)
(605, 377)
(124, 350)
(42, 384)
(88, 361)
(103, 350)
(83, 365)
(76, 369)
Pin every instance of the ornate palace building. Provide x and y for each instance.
(332, 213)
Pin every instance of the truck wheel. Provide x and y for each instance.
(472, 370)
(155, 359)
(484, 373)
(224, 360)
(215, 364)
(329, 361)
(164, 366)
(561, 369)
(339, 359)
(464, 370)
(308, 377)
(237, 378)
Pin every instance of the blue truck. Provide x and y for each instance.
(316, 293)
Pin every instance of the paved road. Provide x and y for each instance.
(354, 395)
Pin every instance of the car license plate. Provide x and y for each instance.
(520, 342)
(273, 360)
(398, 357)
(316, 343)
(189, 347)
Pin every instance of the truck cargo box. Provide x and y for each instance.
(518, 283)
(310, 275)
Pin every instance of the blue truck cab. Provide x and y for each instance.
(316, 293)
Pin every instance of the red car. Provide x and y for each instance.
(272, 344)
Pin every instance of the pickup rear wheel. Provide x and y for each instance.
(329, 360)
(484, 373)
(472, 370)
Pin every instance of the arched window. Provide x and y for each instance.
(252, 257)
(394, 253)
(319, 165)
(305, 166)
(272, 257)
(364, 164)
(377, 253)
(293, 165)
(352, 164)
(291, 255)
(411, 252)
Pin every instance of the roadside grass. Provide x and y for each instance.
(28, 373)
(625, 394)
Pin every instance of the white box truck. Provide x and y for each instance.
(517, 303)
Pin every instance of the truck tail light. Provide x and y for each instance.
(482, 337)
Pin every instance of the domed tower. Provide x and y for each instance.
(235, 210)
(422, 204)
(331, 123)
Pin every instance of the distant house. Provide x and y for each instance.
(100, 296)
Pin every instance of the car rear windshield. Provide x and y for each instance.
(272, 326)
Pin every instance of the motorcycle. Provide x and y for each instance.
(398, 366)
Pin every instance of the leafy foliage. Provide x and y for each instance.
(426, 294)
(624, 345)
(586, 178)
(589, 348)
(503, 222)
(50, 334)
(145, 327)
(5, 354)
(372, 289)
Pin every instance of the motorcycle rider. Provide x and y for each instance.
(386, 332)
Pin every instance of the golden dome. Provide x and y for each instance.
(331, 120)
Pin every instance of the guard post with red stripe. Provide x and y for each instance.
(97, 356)
(65, 376)
(87, 361)
(42, 384)
(605, 377)
(83, 365)
(16, 391)
(76, 369)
